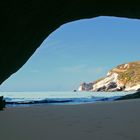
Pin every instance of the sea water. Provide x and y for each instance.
(59, 98)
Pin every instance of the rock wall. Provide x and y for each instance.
(24, 24)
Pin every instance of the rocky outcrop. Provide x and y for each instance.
(85, 87)
(2, 103)
(24, 24)
(125, 77)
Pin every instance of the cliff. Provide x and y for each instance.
(125, 77)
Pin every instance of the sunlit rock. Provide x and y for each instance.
(125, 77)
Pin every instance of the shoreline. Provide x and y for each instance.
(61, 98)
(117, 120)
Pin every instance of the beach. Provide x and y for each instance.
(114, 120)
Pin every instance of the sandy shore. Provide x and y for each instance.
(118, 120)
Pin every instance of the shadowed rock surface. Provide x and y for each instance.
(25, 24)
(130, 96)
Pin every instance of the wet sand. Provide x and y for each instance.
(118, 120)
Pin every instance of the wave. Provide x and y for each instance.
(37, 101)
(29, 98)
(12, 101)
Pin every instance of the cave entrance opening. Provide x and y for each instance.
(80, 51)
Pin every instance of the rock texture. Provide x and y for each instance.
(2, 103)
(125, 77)
(24, 24)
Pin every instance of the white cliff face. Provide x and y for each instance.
(80, 88)
(101, 85)
(110, 83)
(125, 77)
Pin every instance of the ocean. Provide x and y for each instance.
(59, 98)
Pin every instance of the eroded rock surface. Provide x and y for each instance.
(125, 77)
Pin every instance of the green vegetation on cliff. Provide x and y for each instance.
(129, 74)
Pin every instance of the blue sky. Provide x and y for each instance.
(80, 51)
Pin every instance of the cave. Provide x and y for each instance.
(25, 24)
